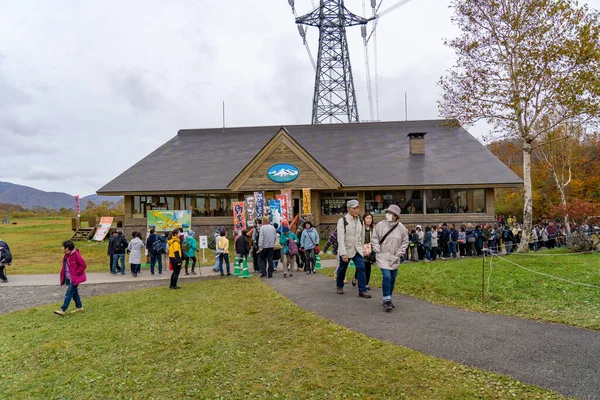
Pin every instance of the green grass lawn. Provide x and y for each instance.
(221, 339)
(512, 291)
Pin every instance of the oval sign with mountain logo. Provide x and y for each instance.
(283, 173)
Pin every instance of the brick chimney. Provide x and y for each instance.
(417, 142)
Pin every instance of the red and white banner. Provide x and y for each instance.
(283, 206)
(290, 203)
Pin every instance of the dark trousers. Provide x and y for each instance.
(434, 252)
(135, 268)
(266, 262)
(444, 247)
(309, 255)
(222, 258)
(2, 273)
(110, 256)
(367, 272)
(155, 258)
(462, 248)
(176, 271)
(187, 262)
(470, 248)
(359, 262)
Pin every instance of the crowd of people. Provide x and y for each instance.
(356, 239)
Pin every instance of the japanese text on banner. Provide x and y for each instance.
(306, 201)
(239, 220)
(259, 198)
(250, 205)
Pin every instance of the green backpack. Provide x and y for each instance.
(186, 245)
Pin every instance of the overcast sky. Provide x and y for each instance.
(88, 88)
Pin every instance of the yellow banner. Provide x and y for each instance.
(306, 201)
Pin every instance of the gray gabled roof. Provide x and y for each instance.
(361, 154)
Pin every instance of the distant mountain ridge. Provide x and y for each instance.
(29, 197)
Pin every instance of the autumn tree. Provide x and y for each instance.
(517, 61)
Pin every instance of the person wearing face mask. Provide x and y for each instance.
(389, 242)
(351, 239)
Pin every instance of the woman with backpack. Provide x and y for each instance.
(289, 249)
(190, 247)
(175, 256)
(135, 253)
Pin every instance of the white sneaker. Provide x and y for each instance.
(76, 310)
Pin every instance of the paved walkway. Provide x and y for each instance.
(94, 278)
(557, 357)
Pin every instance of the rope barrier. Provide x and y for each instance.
(539, 273)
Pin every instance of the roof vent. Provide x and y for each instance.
(417, 142)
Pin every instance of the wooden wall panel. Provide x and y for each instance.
(306, 179)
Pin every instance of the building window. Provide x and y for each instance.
(139, 206)
(334, 203)
(214, 205)
(450, 201)
(409, 201)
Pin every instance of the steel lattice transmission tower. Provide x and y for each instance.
(334, 98)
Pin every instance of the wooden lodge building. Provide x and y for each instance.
(435, 171)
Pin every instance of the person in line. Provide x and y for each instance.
(72, 274)
(309, 241)
(276, 247)
(412, 248)
(443, 238)
(175, 258)
(135, 253)
(223, 252)
(242, 247)
(452, 241)
(289, 249)
(192, 248)
(419, 244)
(434, 242)
(351, 239)
(155, 243)
(470, 231)
(390, 241)
(216, 237)
(5, 260)
(109, 252)
(462, 242)
(119, 245)
(369, 225)
(266, 242)
(427, 244)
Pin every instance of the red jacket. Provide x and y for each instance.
(77, 267)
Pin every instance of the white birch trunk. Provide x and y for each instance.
(528, 198)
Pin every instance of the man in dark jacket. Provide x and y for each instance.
(118, 245)
(109, 252)
(155, 256)
(443, 240)
(242, 247)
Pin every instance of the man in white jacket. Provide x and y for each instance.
(351, 239)
(389, 242)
